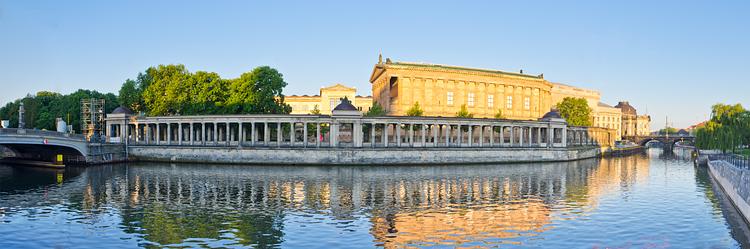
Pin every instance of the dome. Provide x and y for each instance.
(122, 110)
(345, 105)
(626, 108)
(552, 114)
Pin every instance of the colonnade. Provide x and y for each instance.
(307, 131)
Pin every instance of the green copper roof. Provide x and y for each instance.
(464, 69)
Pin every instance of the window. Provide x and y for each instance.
(450, 98)
(490, 100)
(509, 102)
(471, 99)
(333, 103)
(526, 103)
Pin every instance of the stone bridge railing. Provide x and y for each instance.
(313, 131)
(41, 133)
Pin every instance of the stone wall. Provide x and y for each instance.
(359, 156)
(106, 153)
(735, 182)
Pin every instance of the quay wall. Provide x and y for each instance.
(358, 156)
(736, 184)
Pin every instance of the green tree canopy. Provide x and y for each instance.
(575, 111)
(464, 113)
(415, 110)
(727, 130)
(376, 110)
(43, 108)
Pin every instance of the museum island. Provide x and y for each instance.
(441, 90)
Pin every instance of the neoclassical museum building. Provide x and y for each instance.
(442, 90)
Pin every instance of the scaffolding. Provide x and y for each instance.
(92, 119)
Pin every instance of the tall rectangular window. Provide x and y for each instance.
(509, 102)
(526, 103)
(450, 98)
(333, 103)
(490, 100)
(471, 99)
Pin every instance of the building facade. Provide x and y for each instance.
(632, 123)
(328, 98)
(442, 90)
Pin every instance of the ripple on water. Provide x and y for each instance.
(628, 202)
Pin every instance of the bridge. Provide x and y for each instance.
(36, 145)
(667, 140)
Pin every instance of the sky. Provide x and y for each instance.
(669, 59)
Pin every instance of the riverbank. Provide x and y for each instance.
(358, 156)
(735, 183)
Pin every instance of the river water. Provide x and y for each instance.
(651, 200)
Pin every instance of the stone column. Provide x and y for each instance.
(279, 135)
(411, 135)
(358, 136)
(502, 136)
(435, 128)
(459, 136)
(424, 133)
(372, 134)
(539, 136)
(158, 133)
(481, 136)
(492, 136)
(292, 137)
(266, 134)
(398, 135)
(317, 134)
(253, 134)
(470, 139)
(179, 133)
(242, 135)
(169, 133)
(512, 137)
(203, 133)
(147, 133)
(334, 134)
(137, 133)
(385, 134)
(228, 132)
(531, 137)
(448, 135)
(190, 136)
(564, 136)
(213, 134)
(520, 136)
(304, 135)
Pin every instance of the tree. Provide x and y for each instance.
(499, 114)
(727, 130)
(259, 91)
(415, 110)
(315, 110)
(464, 113)
(167, 90)
(575, 111)
(129, 95)
(376, 110)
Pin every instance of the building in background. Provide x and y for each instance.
(632, 123)
(328, 98)
(441, 90)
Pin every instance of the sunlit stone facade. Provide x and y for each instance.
(327, 99)
(632, 123)
(441, 90)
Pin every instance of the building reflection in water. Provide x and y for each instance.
(405, 206)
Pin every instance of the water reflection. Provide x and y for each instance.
(151, 204)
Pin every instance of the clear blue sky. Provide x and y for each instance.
(672, 58)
